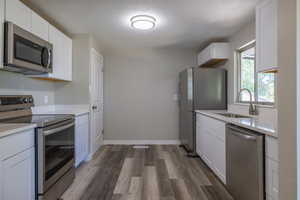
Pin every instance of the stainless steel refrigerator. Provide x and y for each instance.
(199, 89)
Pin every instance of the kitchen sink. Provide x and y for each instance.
(232, 115)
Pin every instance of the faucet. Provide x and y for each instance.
(252, 108)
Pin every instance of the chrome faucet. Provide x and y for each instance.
(252, 108)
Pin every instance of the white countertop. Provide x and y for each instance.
(250, 123)
(76, 110)
(9, 129)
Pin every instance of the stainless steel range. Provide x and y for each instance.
(54, 145)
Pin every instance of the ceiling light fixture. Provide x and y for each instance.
(143, 22)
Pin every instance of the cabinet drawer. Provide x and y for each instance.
(16, 143)
(272, 148)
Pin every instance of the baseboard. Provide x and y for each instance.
(142, 142)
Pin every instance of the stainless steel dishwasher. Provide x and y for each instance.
(245, 163)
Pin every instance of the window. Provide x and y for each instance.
(261, 85)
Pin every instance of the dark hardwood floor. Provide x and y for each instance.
(161, 172)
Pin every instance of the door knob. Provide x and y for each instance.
(94, 107)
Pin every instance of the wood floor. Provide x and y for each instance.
(156, 173)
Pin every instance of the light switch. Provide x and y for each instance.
(46, 99)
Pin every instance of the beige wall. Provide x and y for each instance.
(18, 84)
(77, 91)
(287, 104)
(138, 89)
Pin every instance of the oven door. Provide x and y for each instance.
(25, 52)
(55, 153)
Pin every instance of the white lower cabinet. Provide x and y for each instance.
(211, 147)
(81, 138)
(17, 167)
(272, 173)
(210, 144)
(18, 174)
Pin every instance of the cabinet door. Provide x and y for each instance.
(266, 35)
(219, 159)
(62, 54)
(19, 14)
(67, 58)
(17, 176)
(40, 27)
(55, 37)
(81, 139)
(272, 178)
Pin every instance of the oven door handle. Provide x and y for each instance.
(52, 131)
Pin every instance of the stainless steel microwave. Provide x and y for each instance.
(26, 53)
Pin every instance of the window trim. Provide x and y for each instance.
(238, 62)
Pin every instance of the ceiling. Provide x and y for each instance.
(181, 23)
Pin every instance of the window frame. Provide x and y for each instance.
(245, 47)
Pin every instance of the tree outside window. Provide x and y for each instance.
(261, 85)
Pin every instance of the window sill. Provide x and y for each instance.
(258, 105)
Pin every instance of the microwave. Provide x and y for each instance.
(26, 53)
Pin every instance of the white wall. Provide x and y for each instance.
(138, 89)
(77, 91)
(18, 84)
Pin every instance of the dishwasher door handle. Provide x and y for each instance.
(241, 134)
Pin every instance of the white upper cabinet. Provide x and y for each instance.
(18, 13)
(39, 26)
(62, 55)
(214, 54)
(21, 15)
(68, 46)
(266, 36)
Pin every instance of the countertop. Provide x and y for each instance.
(9, 129)
(253, 123)
(76, 110)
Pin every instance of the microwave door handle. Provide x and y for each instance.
(52, 131)
(49, 58)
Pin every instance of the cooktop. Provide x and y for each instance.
(40, 120)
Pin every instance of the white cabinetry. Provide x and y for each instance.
(266, 36)
(18, 13)
(214, 54)
(62, 56)
(39, 26)
(21, 15)
(81, 138)
(17, 166)
(210, 144)
(272, 163)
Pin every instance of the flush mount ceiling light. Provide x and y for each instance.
(143, 22)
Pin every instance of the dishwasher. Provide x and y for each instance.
(245, 163)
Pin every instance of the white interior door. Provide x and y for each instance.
(96, 87)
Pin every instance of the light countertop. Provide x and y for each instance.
(76, 110)
(250, 123)
(9, 129)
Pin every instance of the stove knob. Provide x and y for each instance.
(30, 100)
(25, 100)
